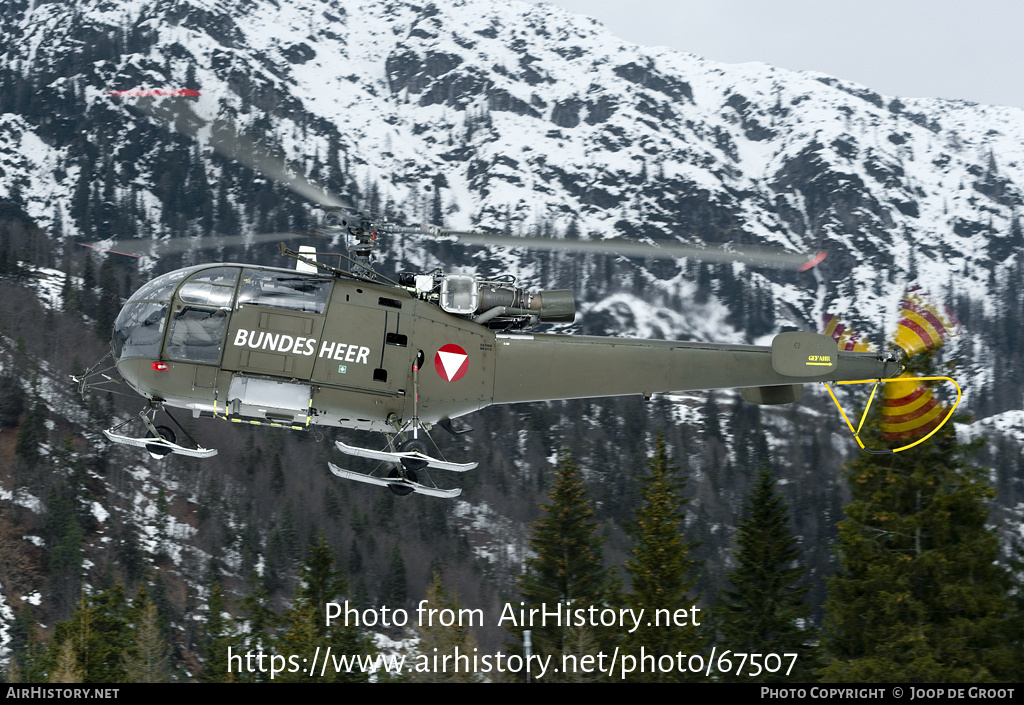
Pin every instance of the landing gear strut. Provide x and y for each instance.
(411, 456)
(409, 466)
(159, 441)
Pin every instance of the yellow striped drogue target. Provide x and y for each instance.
(936, 419)
(909, 408)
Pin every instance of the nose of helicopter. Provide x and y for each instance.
(136, 340)
(139, 330)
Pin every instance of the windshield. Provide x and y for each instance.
(139, 330)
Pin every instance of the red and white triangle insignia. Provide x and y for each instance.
(451, 362)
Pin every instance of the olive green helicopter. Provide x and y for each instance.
(319, 344)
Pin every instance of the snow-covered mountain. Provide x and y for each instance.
(522, 117)
(527, 115)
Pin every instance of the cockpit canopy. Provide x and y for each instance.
(140, 327)
(199, 301)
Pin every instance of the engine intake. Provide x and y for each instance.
(485, 301)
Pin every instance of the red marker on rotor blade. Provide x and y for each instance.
(817, 258)
(103, 249)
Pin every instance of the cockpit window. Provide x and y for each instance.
(161, 288)
(213, 287)
(139, 330)
(197, 334)
(289, 290)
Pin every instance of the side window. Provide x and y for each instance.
(197, 334)
(290, 290)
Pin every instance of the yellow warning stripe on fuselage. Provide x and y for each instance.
(256, 422)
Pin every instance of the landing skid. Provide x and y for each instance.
(404, 479)
(398, 485)
(397, 456)
(160, 446)
(161, 441)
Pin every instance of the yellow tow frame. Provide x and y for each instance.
(876, 382)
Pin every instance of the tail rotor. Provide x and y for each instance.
(910, 409)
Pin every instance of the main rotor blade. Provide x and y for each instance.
(245, 150)
(239, 146)
(145, 248)
(750, 254)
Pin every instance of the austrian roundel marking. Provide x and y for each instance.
(451, 362)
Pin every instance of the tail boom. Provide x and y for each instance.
(548, 367)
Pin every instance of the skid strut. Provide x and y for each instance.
(159, 444)
(410, 458)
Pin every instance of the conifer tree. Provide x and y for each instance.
(32, 434)
(1016, 623)
(580, 642)
(12, 400)
(438, 640)
(108, 304)
(661, 568)
(99, 633)
(306, 627)
(87, 295)
(395, 588)
(65, 668)
(323, 582)
(218, 636)
(63, 534)
(31, 663)
(300, 637)
(766, 612)
(920, 595)
(255, 634)
(148, 658)
(568, 560)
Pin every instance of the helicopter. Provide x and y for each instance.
(318, 345)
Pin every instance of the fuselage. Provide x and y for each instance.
(290, 348)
